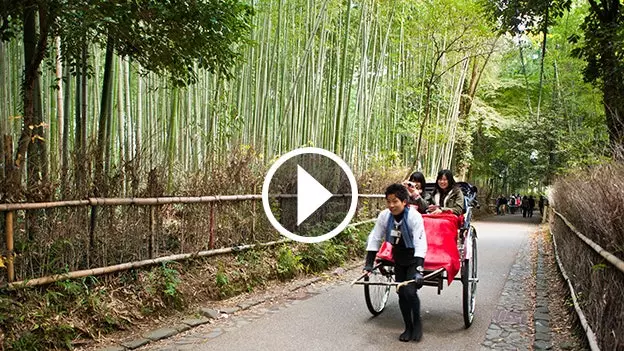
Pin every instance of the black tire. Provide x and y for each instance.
(377, 295)
(469, 280)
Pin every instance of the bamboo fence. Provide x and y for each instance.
(619, 264)
(10, 209)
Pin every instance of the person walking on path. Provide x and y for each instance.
(500, 205)
(525, 206)
(531, 205)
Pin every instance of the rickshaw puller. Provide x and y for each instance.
(404, 229)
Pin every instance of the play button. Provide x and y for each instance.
(307, 192)
(310, 195)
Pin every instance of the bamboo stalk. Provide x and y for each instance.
(152, 246)
(211, 226)
(9, 244)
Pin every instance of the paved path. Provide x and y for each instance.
(329, 317)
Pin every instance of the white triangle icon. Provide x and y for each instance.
(310, 195)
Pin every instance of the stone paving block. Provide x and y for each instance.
(136, 343)
(193, 322)
(542, 316)
(180, 327)
(542, 345)
(244, 305)
(541, 328)
(493, 333)
(113, 348)
(214, 333)
(543, 309)
(209, 313)
(542, 336)
(542, 323)
(230, 310)
(160, 333)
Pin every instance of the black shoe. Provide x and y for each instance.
(417, 333)
(407, 335)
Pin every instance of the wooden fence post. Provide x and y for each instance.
(152, 232)
(211, 225)
(9, 244)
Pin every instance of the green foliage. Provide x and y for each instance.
(171, 279)
(162, 285)
(221, 279)
(520, 16)
(164, 37)
(514, 149)
(288, 263)
(346, 245)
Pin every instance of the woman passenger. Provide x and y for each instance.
(416, 188)
(447, 196)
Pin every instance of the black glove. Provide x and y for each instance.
(370, 260)
(418, 277)
(419, 280)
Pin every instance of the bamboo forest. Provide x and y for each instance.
(428, 85)
(130, 99)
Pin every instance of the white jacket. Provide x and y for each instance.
(415, 225)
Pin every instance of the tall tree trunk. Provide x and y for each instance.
(32, 128)
(33, 136)
(172, 138)
(101, 188)
(85, 117)
(78, 147)
(541, 83)
(611, 18)
(60, 113)
(526, 78)
(4, 113)
(424, 122)
(65, 142)
(341, 83)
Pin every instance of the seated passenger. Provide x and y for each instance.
(416, 188)
(446, 197)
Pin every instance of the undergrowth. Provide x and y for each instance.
(55, 316)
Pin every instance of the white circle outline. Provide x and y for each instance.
(265, 195)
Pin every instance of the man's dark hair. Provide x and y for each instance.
(398, 190)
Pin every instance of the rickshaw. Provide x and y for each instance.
(452, 249)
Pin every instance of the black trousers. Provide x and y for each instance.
(409, 303)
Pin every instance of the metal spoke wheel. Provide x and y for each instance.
(469, 276)
(377, 295)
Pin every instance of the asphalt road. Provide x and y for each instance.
(338, 319)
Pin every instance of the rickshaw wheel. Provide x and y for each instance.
(469, 280)
(377, 295)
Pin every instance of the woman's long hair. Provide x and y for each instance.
(449, 178)
(418, 177)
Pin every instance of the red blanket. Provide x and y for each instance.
(441, 231)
